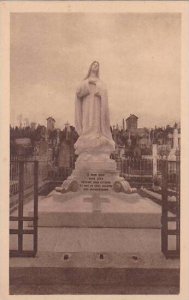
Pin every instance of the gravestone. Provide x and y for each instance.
(64, 155)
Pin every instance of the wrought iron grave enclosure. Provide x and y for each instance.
(24, 174)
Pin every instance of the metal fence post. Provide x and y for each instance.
(35, 221)
(20, 206)
(164, 225)
(178, 202)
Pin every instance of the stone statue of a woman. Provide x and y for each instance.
(92, 120)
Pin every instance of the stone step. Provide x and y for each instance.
(107, 271)
(91, 289)
(101, 220)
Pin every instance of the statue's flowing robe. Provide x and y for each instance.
(92, 119)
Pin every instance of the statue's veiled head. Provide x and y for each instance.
(94, 68)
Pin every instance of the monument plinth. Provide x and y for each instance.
(94, 178)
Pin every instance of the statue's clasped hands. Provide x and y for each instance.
(97, 94)
(91, 81)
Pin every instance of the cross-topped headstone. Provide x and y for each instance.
(96, 201)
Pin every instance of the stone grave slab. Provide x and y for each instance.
(83, 209)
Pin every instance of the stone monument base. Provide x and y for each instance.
(95, 176)
(96, 196)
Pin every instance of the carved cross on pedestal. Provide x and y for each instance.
(96, 201)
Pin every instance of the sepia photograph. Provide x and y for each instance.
(95, 124)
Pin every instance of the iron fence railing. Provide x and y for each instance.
(43, 173)
(134, 166)
(139, 172)
(20, 229)
(142, 171)
(170, 229)
(48, 176)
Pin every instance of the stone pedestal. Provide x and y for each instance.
(95, 175)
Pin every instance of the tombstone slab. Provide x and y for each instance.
(86, 209)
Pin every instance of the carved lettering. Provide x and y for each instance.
(95, 182)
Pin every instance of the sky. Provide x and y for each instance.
(139, 56)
